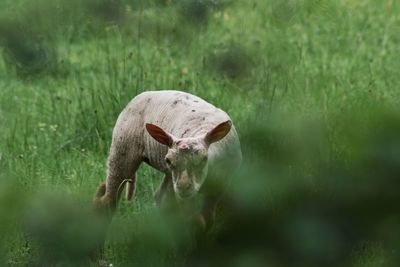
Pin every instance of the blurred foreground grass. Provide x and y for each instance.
(311, 86)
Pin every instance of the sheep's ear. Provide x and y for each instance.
(159, 134)
(219, 132)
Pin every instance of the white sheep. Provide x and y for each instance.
(182, 136)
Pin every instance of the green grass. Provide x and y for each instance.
(312, 87)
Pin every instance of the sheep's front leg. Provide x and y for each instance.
(163, 189)
(207, 216)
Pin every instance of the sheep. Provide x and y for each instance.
(179, 134)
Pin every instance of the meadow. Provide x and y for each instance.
(311, 85)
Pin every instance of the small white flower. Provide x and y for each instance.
(53, 127)
(42, 126)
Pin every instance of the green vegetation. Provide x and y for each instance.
(310, 84)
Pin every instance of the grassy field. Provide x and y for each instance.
(312, 87)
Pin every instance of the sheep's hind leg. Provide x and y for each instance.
(106, 199)
(121, 169)
(130, 187)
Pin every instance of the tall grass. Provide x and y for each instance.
(311, 87)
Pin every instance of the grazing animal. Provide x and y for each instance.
(180, 135)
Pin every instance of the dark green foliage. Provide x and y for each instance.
(62, 231)
(107, 10)
(233, 62)
(27, 53)
(196, 11)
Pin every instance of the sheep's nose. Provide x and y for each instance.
(185, 188)
(185, 191)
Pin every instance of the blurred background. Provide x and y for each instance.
(311, 85)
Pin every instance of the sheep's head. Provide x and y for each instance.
(187, 158)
